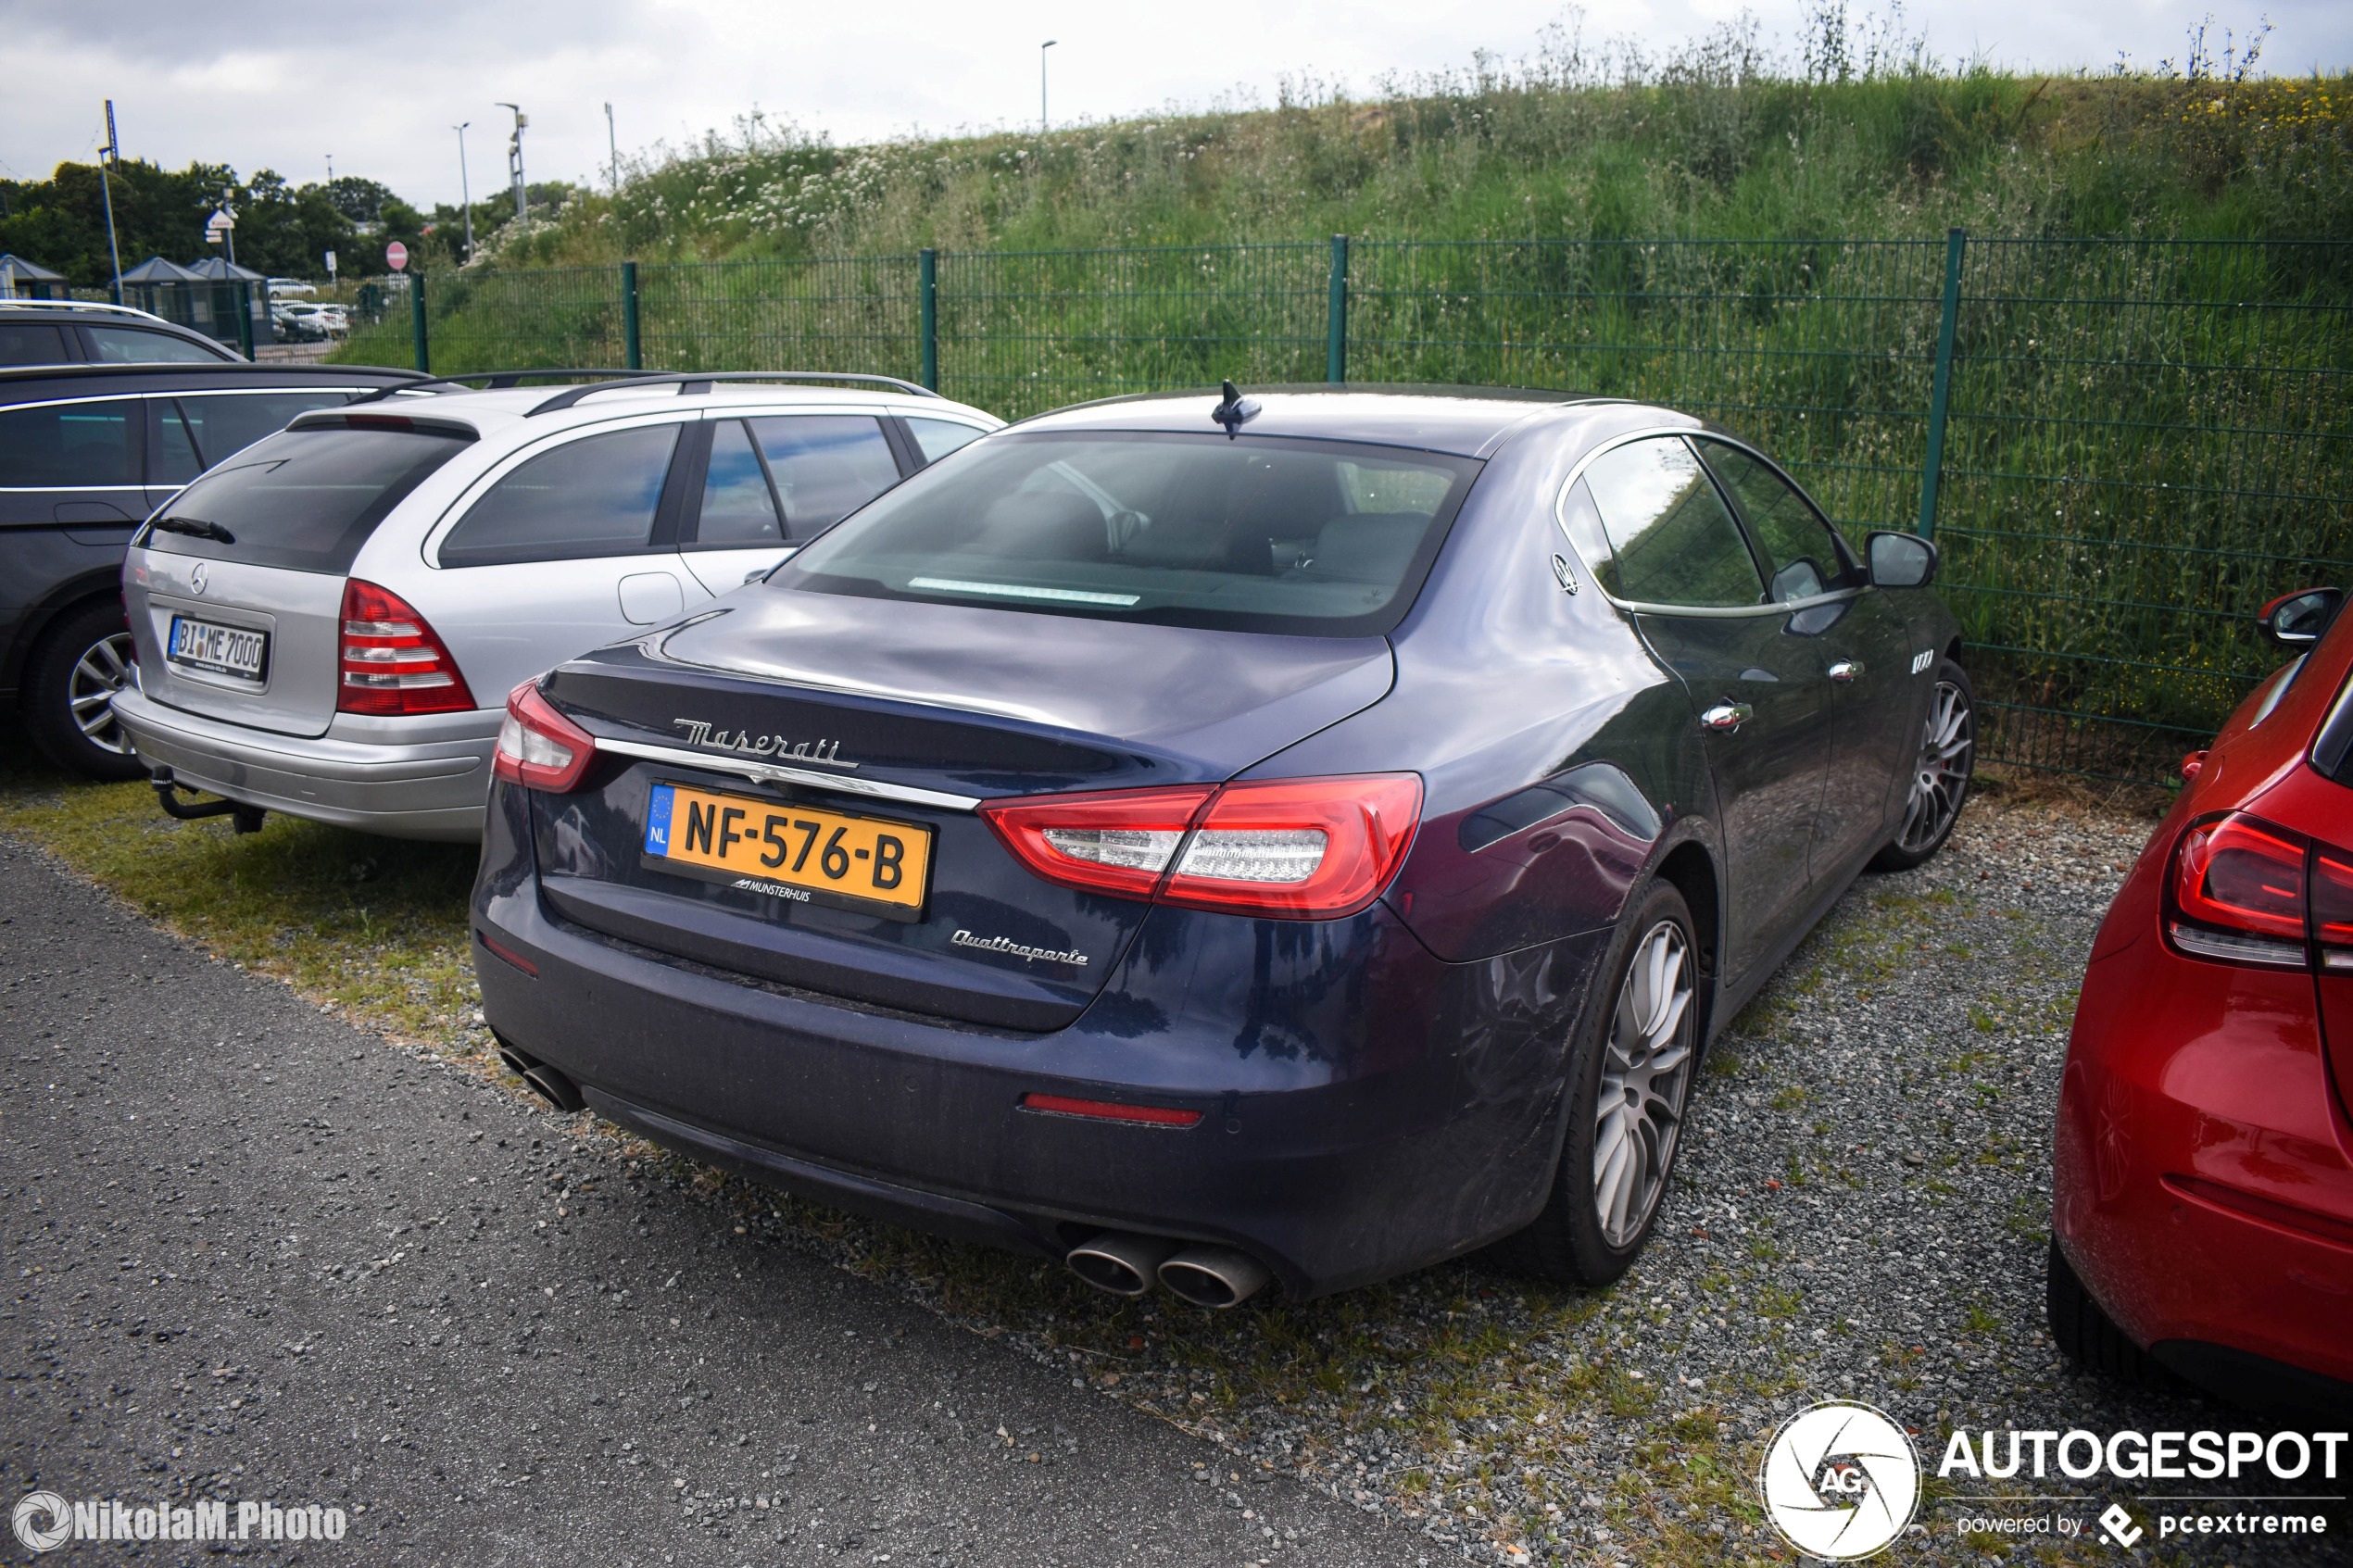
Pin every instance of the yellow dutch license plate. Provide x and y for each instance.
(789, 851)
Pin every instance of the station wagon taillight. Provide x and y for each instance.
(390, 661)
(1296, 848)
(2243, 890)
(539, 748)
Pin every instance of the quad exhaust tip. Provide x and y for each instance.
(1120, 1263)
(1216, 1277)
(546, 1082)
(1124, 1263)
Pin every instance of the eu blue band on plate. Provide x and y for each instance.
(658, 820)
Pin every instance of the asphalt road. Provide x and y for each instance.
(255, 1255)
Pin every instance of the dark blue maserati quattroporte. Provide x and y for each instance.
(1218, 840)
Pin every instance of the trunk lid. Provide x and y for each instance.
(259, 548)
(908, 714)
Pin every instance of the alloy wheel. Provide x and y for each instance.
(1941, 776)
(1647, 1071)
(103, 670)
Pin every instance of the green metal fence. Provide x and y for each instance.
(2124, 446)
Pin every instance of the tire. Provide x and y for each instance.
(1602, 1211)
(2086, 1336)
(1940, 773)
(80, 660)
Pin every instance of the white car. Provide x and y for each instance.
(289, 288)
(329, 624)
(303, 319)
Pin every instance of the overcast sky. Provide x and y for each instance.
(379, 87)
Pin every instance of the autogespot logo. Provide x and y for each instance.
(1840, 1481)
(44, 1521)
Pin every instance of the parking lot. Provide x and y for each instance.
(340, 1256)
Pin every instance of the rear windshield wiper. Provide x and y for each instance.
(195, 529)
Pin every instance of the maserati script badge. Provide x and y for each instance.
(817, 753)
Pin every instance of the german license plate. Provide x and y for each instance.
(791, 852)
(225, 650)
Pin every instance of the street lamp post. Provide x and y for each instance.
(465, 190)
(110, 153)
(1042, 121)
(514, 157)
(612, 147)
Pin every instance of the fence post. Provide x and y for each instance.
(1336, 316)
(928, 294)
(631, 355)
(1940, 388)
(245, 318)
(416, 322)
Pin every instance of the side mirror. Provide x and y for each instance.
(1900, 560)
(2302, 618)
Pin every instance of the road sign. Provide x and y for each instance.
(395, 255)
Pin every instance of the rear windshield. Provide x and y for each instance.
(306, 500)
(1255, 535)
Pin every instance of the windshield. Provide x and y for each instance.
(306, 500)
(1255, 535)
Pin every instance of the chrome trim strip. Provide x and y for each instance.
(768, 773)
(1709, 613)
(1734, 612)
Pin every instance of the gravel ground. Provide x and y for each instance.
(1861, 1211)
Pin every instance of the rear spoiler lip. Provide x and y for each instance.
(350, 418)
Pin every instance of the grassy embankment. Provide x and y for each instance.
(2147, 440)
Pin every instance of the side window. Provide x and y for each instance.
(936, 438)
(136, 345)
(739, 509)
(826, 466)
(171, 451)
(32, 343)
(593, 496)
(222, 424)
(1800, 550)
(1672, 541)
(67, 443)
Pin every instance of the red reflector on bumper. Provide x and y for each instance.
(1108, 1110)
(510, 955)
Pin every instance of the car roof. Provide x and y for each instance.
(1465, 420)
(504, 407)
(31, 384)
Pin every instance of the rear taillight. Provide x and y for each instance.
(391, 662)
(2246, 891)
(1299, 849)
(2332, 908)
(539, 748)
(1109, 841)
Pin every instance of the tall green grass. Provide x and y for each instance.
(2149, 432)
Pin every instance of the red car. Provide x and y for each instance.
(2202, 1200)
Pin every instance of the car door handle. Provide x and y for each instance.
(1726, 717)
(1846, 669)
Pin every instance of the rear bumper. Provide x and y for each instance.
(2203, 1187)
(356, 775)
(1421, 1121)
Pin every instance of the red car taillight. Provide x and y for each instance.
(391, 662)
(2246, 891)
(1297, 849)
(539, 748)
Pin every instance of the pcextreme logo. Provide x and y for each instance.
(1840, 1481)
